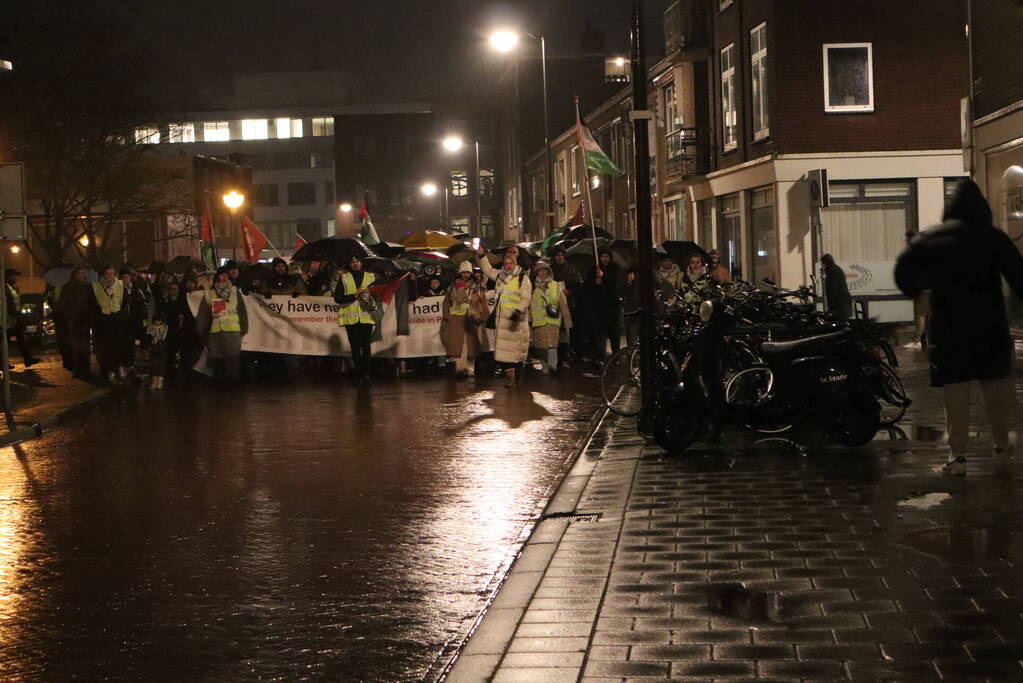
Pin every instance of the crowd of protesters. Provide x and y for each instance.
(544, 316)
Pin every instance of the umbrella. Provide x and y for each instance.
(546, 245)
(385, 269)
(526, 259)
(681, 251)
(337, 250)
(387, 250)
(584, 232)
(429, 239)
(182, 264)
(532, 247)
(584, 248)
(436, 257)
(58, 276)
(460, 252)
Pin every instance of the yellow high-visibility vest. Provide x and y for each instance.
(511, 295)
(539, 305)
(227, 320)
(109, 303)
(352, 314)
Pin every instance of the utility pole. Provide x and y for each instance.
(641, 116)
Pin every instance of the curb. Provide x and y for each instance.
(495, 626)
(48, 423)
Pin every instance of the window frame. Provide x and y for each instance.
(255, 129)
(222, 130)
(576, 182)
(727, 76)
(758, 64)
(848, 108)
(325, 125)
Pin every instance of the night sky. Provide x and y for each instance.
(405, 49)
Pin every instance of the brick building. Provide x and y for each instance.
(753, 95)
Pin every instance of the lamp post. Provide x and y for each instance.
(505, 41)
(343, 225)
(233, 200)
(453, 144)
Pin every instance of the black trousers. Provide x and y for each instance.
(18, 332)
(79, 344)
(606, 328)
(108, 335)
(359, 336)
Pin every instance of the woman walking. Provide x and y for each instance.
(550, 315)
(465, 309)
(511, 325)
(108, 327)
(75, 305)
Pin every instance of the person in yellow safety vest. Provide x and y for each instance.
(108, 324)
(465, 310)
(549, 315)
(513, 292)
(224, 320)
(12, 319)
(355, 314)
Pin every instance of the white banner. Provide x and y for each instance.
(307, 325)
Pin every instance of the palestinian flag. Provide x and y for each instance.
(207, 247)
(579, 218)
(368, 234)
(594, 156)
(299, 242)
(384, 295)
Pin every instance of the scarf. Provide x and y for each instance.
(695, 275)
(505, 276)
(108, 286)
(223, 291)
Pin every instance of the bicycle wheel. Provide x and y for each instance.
(621, 370)
(893, 396)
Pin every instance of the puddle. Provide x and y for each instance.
(739, 602)
(925, 501)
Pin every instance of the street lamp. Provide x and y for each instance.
(429, 190)
(233, 200)
(345, 207)
(453, 144)
(504, 41)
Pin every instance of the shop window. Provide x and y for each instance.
(730, 234)
(763, 234)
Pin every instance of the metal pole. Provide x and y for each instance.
(5, 355)
(547, 141)
(644, 234)
(479, 182)
(447, 211)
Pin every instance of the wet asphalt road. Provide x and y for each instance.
(287, 531)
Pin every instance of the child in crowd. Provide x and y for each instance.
(157, 338)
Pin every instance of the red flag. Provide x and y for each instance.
(253, 240)
(299, 242)
(580, 216)
(386, 291)
(363, 212)
(207, 247)
(207, 225)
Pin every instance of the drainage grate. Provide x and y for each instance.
(573, 517)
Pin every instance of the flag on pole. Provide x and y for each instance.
(207, 247)
(580, 216)
(299, 242)
(593, 155)
(253, 240)
(368, 234)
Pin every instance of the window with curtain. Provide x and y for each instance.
(758, 78)
(729, 115)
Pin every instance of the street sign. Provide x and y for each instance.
(818, 180)
(12, 201)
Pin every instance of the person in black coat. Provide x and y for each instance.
(962, 262)
(604, 288)
(836, 289)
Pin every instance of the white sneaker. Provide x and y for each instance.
(955, 468)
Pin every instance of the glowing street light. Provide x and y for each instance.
(233, 200)
(452, 143)
(428, 189)
(15, 249)
(346, 207)
(503, 41)
(84, 240)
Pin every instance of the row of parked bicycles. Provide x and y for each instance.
(763, 358)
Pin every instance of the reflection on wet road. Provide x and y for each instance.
(300, 531)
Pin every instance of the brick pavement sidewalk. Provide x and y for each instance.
(44, 395)
(756, 564)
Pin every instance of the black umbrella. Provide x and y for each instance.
(385, 269)
(681, 251)
(337, 250)
(183, 264)
(526, 259)
(585, 232)
(460, 252)
(387, 250)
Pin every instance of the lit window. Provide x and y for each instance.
(288, 128)
(669, 109)
(255, 129)
(181, 132)
(729, 114)
(216, 131)
(758, 72)
(578, 172)
(848, 77)
(147, 136)
(323, 126)
(459, 184)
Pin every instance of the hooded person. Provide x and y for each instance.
(513, 292)
(669, 281)
(223, 318)
(604, 287)
(75, 307)
(278, 281)
(962, 261)
(836, 289)
(717, 269)
(465, 309)
(549, 315)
